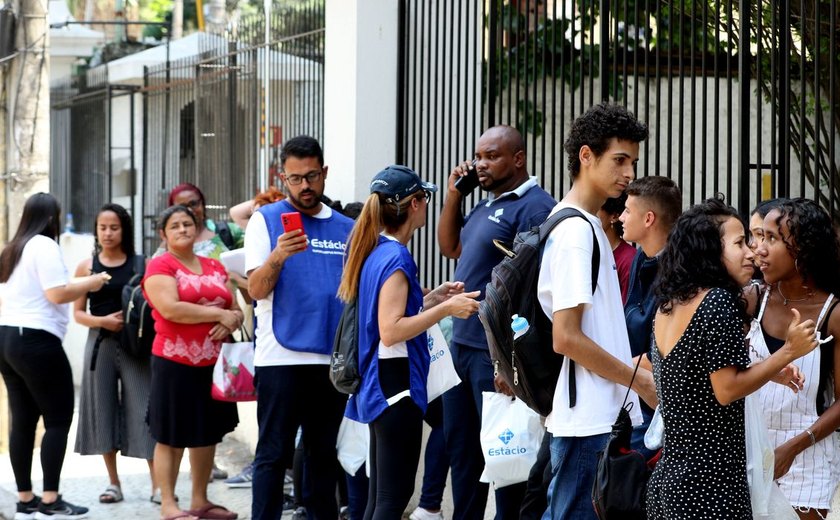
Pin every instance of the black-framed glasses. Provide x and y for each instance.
(428, 196)
(192, 204)
(310, 177)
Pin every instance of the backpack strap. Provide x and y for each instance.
(223, 230)
(545, 229)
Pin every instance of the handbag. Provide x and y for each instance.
(233, 374)
(344, 363)
(352, 445)
(622, 474)
(442, 373)
(511, 434)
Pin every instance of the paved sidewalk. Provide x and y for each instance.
(84, 478)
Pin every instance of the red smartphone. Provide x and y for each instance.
(291, 221)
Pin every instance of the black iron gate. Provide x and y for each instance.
(741, 97)
(87, 159)
(203, 114)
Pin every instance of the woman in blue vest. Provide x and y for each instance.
(393, 349)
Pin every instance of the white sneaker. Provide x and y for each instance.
(423, 514)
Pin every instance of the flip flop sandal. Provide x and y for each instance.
(111, 495)
(213, 511)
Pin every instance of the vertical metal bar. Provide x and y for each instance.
(415, 84)
(776, 82)
(803, 115)
(603, 50)
(692, 171)
(401, 65)
(744, 113)
(543, 64)
(704, 106)
(492, 72)
(636, 49)
(758, 104)
(832, 200)
(729, 103)
(591, 63)
(132, 175)
(669, 150)
(783, 189)
(681, 120)
(109, 139)
(647, 87)
(563, 82)
(716, 145)
(817, 101)
(658, 105)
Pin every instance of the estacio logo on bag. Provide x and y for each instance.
(506, 436)
(433, 354)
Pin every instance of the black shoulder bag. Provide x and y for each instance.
(622, 474)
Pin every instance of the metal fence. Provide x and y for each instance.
(741, 97)
(83, 165)
(203, 114)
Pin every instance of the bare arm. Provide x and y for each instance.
(80, 313)
(261, 281)
(162, 292)
(241, 213)
(730, 384)
(451, 218)
(75, 290)
(395, 326)
(569, 340)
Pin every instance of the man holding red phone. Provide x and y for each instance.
(293, 255)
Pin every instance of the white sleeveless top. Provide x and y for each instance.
(815, 472)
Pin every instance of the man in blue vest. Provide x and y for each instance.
(293, 278)
(514, 203)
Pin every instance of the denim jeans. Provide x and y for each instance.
(573, 464)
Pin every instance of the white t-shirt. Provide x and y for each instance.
(24, 302)
(565, 282)
(269, 352)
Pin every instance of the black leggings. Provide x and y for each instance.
(40, 383)
(395, 438)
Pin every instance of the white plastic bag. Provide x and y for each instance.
(655, 433)
(511, 434)
(768, 501)
(442, 374)
(233, 374)
(353, 445)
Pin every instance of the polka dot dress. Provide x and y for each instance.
(702, 473)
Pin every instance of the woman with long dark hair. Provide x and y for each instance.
(33, 320)
(115, 385)
(393, 349)
(702, 368)
(799, 255)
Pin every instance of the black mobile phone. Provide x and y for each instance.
(468, 182)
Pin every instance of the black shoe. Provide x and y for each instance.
(27, 510)
(60, 510)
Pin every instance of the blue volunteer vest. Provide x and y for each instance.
(305, 308)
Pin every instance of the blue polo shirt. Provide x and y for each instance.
(369, 402)
(499, 218)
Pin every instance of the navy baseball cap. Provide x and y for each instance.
(397, 182)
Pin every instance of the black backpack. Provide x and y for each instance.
(139, 328)
(529, 365)
(344, 364)
(223, 230)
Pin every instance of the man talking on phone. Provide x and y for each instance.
(293, 255)
(514, 203)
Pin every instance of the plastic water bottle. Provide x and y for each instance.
(68, 224)
(519, 325)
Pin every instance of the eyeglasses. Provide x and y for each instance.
(428, 196)
(192, 204)
(310, 177)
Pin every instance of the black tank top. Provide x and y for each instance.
(108, 299)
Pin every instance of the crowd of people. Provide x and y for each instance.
(709, 307)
